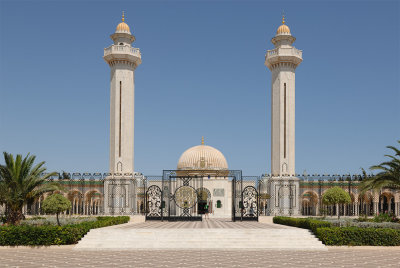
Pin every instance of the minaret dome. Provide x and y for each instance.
(123, 27)
(283, 29)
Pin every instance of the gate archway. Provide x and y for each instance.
(204, 198)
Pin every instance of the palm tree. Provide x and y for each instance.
(21, 183)
(389, 175)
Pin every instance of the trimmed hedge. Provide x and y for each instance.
(354, 236)
(305, 223)
(344, 236)
(53, 235)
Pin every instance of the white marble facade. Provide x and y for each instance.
(123, 59)
(283, 61)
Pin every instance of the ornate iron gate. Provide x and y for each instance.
(179, 195)
(174, 196)
(153, 203)
(183, 192)
(245, 199)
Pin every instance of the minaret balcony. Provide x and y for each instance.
(283, 54)
(122, 52)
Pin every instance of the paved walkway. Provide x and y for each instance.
(205, 224)
(66, 257)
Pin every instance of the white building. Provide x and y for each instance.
(216, 186)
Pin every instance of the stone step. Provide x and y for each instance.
(130, 238)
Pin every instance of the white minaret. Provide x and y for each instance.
(282, 61)
(123, 60)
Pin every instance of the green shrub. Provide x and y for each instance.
(53, 235)
(339, 236)
(385, 217)
(305, 223)
(362, 218)
(36, 218)
(3, 219)
(353, 236)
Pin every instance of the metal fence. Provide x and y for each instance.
(118, 194)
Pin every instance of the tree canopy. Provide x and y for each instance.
(389, 175)
(22, 182)
(56, 204)
(336, 195)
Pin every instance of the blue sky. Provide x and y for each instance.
(202, 74)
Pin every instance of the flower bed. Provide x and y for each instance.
(364, 224)
(30, 235)
(40, 221)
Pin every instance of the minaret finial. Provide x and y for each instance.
(202, 140)
(123, 16)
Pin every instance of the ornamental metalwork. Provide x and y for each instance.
(119, 194)
(250, 202)
(185, 197)
(153, 201)
(245, 198)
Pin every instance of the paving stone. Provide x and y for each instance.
(334, 257)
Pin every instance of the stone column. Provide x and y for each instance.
(375, 207)
(396, 207)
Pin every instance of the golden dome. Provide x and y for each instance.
(202, 157)
(123, 27)
(283, 29)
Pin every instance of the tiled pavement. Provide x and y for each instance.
(66, 257)
(205, 224)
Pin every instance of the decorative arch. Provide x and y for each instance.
(76, 198)
(203, 194)
(365, 204)
(119, 167)
(309, 203)
(284, 167)
(93, 202)
(204, 198)
(386, 202)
